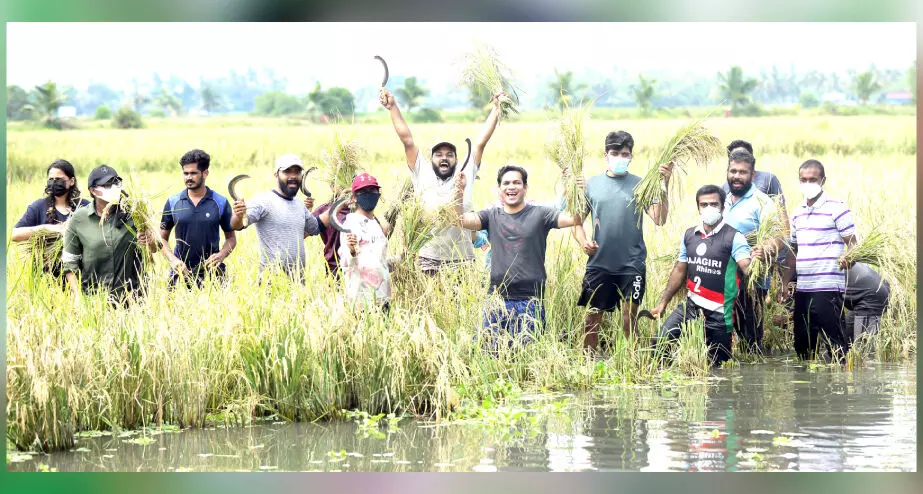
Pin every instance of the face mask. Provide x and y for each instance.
(112, 194)
(811, 190)
(367, 200)
(710, 215)
(619, 165)
(56, 187)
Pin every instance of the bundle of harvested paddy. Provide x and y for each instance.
(771, 226)
(483, 71)
(341, 164)
(690, 143)
(869, 250)
(568, 151)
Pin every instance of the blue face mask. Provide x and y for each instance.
(368, 200)
(619, 165)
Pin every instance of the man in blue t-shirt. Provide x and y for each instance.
(616, 268)
(197, 213)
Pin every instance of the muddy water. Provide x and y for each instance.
(780, 415)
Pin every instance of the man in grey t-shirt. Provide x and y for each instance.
(518, 233)
(282, 223)
(433, 182)
(616, 270)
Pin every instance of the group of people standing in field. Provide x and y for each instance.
(103, 247)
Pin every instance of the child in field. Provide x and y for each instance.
(363, 252)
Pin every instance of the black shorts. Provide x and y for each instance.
(605, 291)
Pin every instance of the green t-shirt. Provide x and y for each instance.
(106, 255)
(616, 227)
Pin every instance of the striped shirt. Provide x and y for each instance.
(819, 231)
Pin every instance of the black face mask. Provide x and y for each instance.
(368, 200)
(57, 187)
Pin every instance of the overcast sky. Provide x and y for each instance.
(341, 54)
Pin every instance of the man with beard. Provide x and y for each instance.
(616, 269)
(198, 213)
(744, 210)
(518, 233)
(282, 223)
(433, 182)
(49, 214)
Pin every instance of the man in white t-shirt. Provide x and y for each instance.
(433, 181)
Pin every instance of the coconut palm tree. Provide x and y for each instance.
(866, 85)
(563, 89)
(411, 93)
(644, 94)
(48, 99)
(735, 88)
(211, 100)
(169, 102)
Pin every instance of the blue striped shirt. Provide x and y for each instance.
(819, 231)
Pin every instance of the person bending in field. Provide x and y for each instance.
(198, 213)
(518, 233)
(102, 248)
(745, 209)
(432, 181)
(616, 268)
(49, 214)
(363, 251)
(711, 257)
(282, 223)
(822, 230)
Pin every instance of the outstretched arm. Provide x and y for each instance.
(400, 126)
(489, 126)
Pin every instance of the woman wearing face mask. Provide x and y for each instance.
(363, 252)
(101, 249)
(49, 213)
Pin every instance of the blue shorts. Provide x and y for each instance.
(516, 318)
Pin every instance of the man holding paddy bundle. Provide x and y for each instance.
(198, 213)
(822, 230)
(102, 247)
(518, 233)
(745, 209)
(432, 181)
(711, 255)
(616, 268)
(282, 223)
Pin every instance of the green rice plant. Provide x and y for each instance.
(869, 250)
(483, 71)
(46, 247)
(690, 143)
(391, 214)
(568, 150)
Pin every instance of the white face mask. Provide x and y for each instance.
(618, 166)
(710, 215)
(811, 190)
(111, 194)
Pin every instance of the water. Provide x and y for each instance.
(780, 415)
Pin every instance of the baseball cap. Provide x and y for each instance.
(364, 180)
(443, 143)
(287, 161)
(100, 175)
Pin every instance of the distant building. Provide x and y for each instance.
(898, 98)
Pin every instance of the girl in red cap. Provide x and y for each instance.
(363, 251)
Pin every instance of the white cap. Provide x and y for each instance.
(287, 161)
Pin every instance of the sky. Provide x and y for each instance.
(341, 54)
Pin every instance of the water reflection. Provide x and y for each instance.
(775, 416)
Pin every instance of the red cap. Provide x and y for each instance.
(364, 180)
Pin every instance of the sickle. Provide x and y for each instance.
(232, 183)
(646, 313)
(334, 212)
(465, 164)
(304, 181)
(385, 65)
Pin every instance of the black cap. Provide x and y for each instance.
(100, 175)
(443, 143)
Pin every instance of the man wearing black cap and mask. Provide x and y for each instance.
(104, 254)
(433, 182)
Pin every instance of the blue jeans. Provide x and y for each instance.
(516, 318)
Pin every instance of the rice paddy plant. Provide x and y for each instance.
(869, 250)
(691, 143)
(771, 234)
(567, 150)
(341, 163)
(482, 70)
